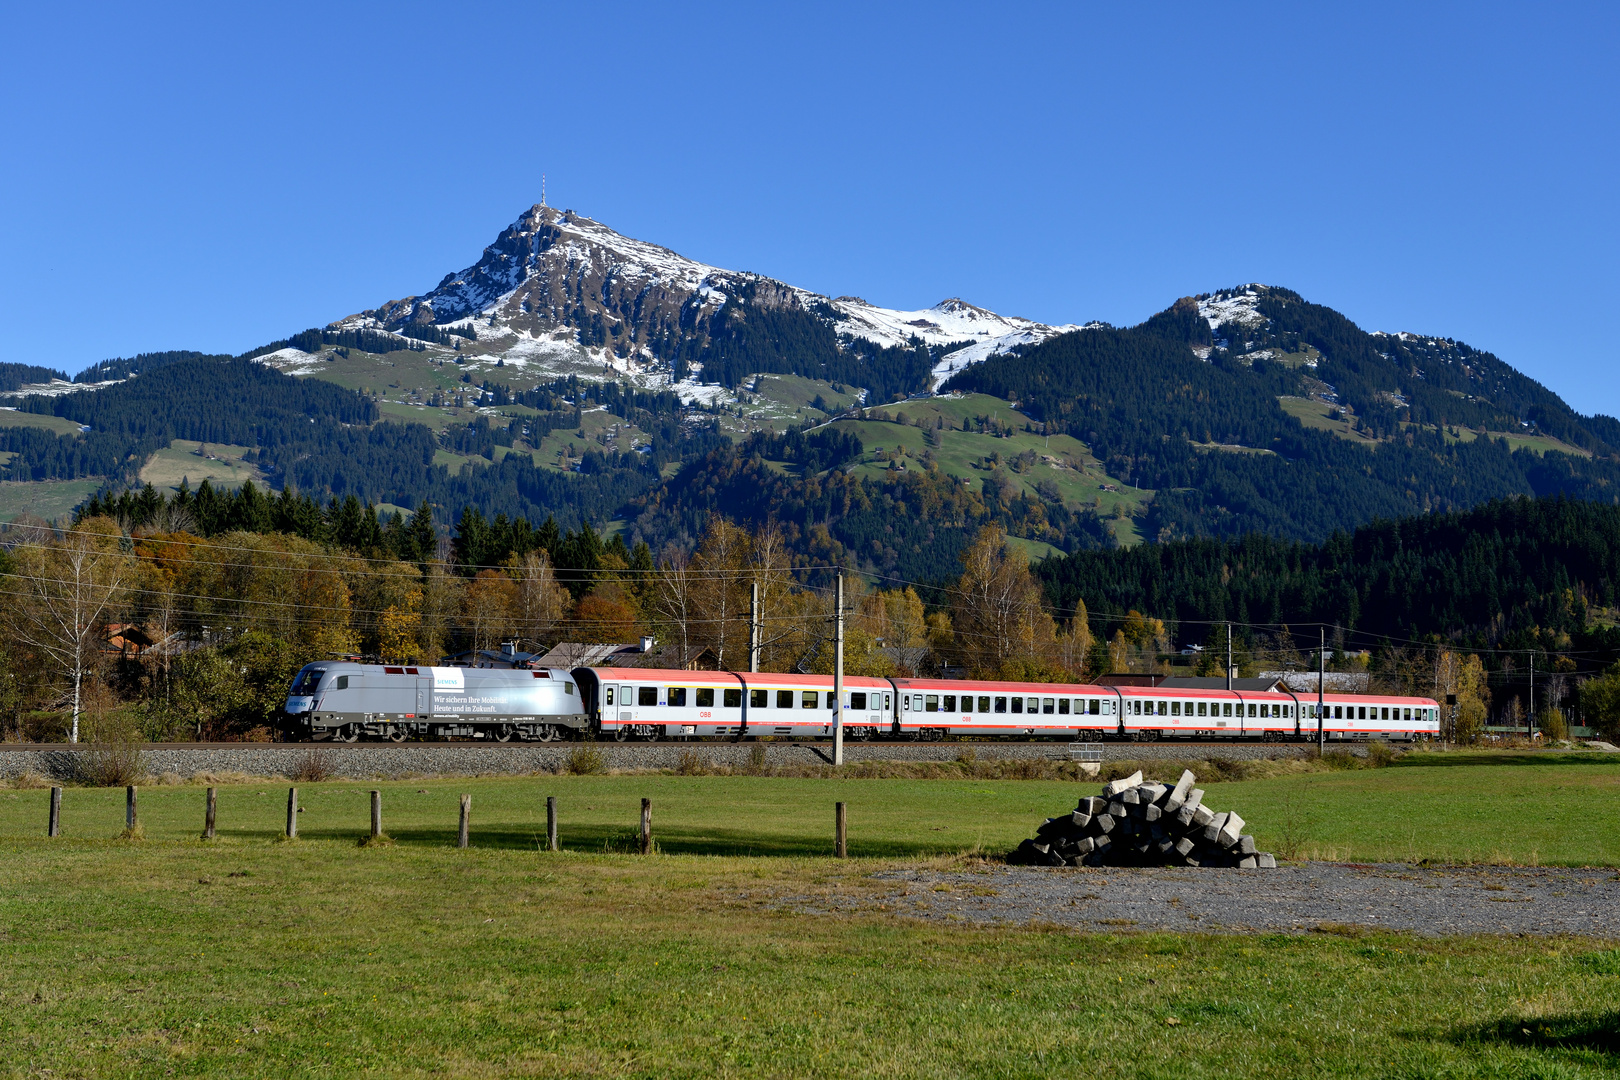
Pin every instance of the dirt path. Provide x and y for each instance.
(1296, 898)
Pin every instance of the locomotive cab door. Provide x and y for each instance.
(424, 704)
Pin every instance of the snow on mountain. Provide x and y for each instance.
(1237, 306)
(569, 295)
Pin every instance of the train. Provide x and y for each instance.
(345, 702)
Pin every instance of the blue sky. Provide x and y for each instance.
(214, 177)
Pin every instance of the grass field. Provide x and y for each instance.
(49, 499)
(222, 466)
(251, 956)
(59, 424)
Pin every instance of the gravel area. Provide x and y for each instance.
(368, 760)
(1291, 899)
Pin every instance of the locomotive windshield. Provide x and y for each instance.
(307, 681)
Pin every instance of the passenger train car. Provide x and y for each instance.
(345, 701)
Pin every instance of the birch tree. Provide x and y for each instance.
(70, 589)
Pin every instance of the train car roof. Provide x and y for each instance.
(779, 678)
(659, 675)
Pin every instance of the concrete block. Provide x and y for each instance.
(1102, 826)
(1117, 809)
(1080, 820)
(1265, 860)
(1231, 830)
(1084, 845)
(1092, 805)
(1212, 829)
(1151, 813)
(1178, 794)
(1183, 846)
(1245, 845)
(1130, 797)
(1202, 816)
(1248, 862)
(1040, 848)
(1151, 792)
(1116, 786)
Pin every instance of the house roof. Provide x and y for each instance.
(572, 654)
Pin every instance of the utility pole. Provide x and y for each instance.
(1321, 682)
(1530, 716)
(753, 629)
(1229, 658)
(838, 677)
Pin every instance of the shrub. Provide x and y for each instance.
(1379, 754)
(756, 758)
(585, 761)
(113, 764)
(1553, 724)
(312, 768)
(691, 764)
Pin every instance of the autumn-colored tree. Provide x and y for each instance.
(604, 619)
(720, 591)
(996, 609)
(539, 602)
(69, 588)
(486, 608)
(1600, 702)
(897, 618)
(399, 629)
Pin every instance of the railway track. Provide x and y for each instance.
(463, 743)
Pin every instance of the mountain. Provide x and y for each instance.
(575, 372)
(560, 292)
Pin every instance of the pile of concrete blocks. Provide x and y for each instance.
(1137, 823)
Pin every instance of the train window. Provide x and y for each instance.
(784, 699)
(1001, 704)
(607, 695)
(704, 697)
(342, 683)
(759, 699)
(646, 695)
(1408, 714)
(1017, 704)
(1203, 708)
(1164, 708)
(677, 696)
(857, 700)
(1048, 706)
(568, 688)
(967, 703)
(1096, 706)
(808, 700)
(1386, 714)
(931, 703)
(1175, 708)
(733, 698)
(984, 704)
(949, 704)
(1063, 706)
(886, 701)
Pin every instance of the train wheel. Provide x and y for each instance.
(398, 734)
(503, 733)
(621, 734)
(350, 733)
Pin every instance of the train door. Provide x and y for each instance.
(424, 704)
(627, 713)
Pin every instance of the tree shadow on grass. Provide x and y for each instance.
(668, 841)
(1517, 760)
(1591, 1033)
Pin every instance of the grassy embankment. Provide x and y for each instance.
(259, 957)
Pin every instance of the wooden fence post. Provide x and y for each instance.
(466, 812)
(646, 826)
(292, 813)
(208, 818)
(840, 832)
(131, 816)
(55, 828)
(376, 813)
(551, 823)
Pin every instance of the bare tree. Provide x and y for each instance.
(71, 587)
(673, 600)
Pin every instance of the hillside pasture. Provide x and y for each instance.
(183, 459)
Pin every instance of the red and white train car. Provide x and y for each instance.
(645, 703)
(650, 704)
